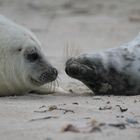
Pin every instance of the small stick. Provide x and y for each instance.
(44, 118)
(122, 109)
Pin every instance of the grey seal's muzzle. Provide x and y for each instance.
(77, 69)
(87, 70)
(45, 77)
(48, 76)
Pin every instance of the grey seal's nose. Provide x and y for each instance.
(72, 68)
(76, 68)
(48, 76)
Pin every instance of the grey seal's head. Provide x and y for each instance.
(23, 66)
(85, 69)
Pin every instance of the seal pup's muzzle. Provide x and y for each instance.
(77, 69)
(49, 75)
(83, 69)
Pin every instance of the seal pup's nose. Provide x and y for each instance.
(49, 76)
(71, 67)
(72, 70)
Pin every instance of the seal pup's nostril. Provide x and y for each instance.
(55, 72)
(67, 70)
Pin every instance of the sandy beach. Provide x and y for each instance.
(90, 26)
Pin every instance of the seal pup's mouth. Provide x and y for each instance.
(35, 82)
(45, 77)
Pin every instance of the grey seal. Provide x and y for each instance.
(23, 65)
(113, 71)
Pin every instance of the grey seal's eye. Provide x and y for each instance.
(32, 57)
(19, 49)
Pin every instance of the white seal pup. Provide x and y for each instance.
(23, 66)
(113, 71)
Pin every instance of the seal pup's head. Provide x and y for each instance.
(86, 69)
(23, 66)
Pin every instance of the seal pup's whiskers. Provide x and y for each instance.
(70, 50)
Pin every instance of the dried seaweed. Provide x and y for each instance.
(105, 108)
(119, 125)
(54, 107)
(44, 118)
(122, 109)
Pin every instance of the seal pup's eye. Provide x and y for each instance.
(19, 49)
(33, 57)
